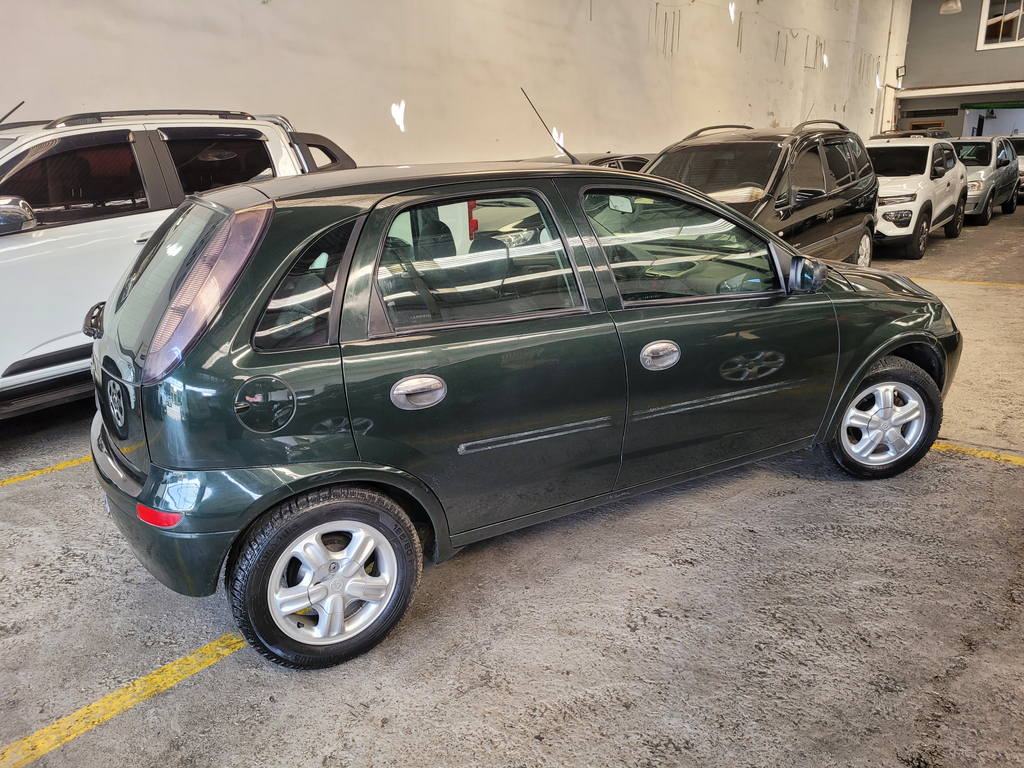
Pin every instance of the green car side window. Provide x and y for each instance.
(298, 314)
(482, 259)
(660, 248)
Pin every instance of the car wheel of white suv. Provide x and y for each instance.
(919, 241)
(955, 225)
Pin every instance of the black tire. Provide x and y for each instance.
(913, 391)
(386, 561)
(955, 225)
(919, 240)
(1011, 203)
(865, 249)
(985, 217)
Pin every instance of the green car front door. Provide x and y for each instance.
(478, 355)
(722, 365)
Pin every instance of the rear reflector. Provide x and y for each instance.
(157, 518)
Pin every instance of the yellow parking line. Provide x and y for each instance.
(67, 728)
(48, 470)
(966, 282)
(1006, 458)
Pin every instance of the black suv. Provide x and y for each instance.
(813, 186)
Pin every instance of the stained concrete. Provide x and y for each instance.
(780, 614)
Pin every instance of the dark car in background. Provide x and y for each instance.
(813, 186)
(633, 162)
(304, 383)
(924, 133)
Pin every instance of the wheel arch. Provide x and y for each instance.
(921, 349)
(415, 497)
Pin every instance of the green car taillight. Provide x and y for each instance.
(205, 290)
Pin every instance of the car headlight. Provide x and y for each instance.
(974, 186)
(900, 218)
(897, 199)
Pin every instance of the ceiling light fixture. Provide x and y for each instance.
(950, 6)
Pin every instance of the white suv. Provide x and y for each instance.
(921, 186)
(78, 198)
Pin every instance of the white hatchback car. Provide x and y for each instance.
(921, 186)
(78, 198)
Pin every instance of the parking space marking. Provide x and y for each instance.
(966, 282)
(67, 728)
(46, 471)
(1005, 458)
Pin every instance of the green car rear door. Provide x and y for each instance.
(478, 354)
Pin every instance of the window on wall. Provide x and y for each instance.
(1001, 25)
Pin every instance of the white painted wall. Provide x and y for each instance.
(1006, 121)
(620, 75)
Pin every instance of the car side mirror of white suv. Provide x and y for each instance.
(16, 215)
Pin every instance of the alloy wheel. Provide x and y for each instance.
(864, 251)
(885, 422)
(332, 582)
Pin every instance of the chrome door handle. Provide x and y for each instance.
(659, 355)
(416, 392)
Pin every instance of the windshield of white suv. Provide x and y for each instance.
(899, 161)
(719, 167)
(1017, 141)
(976, 153)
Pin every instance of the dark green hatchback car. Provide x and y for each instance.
(305, 383)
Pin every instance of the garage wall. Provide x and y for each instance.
(621, 75)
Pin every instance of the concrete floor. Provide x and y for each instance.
(777, 615)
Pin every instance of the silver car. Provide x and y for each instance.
(992, 175)
(1017, 142)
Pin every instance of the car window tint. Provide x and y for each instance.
(661, 248)
(1004, 153)
(807, 173)
(204, 164)
(632, 164)
(974, 153)
(859, 157)
(298, 314)
(718, 168)
(938, 161)
(480, 259)
(950, 156)
(838, 167)
(79, 184)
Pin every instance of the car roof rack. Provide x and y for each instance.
(24, 124)
(697, 133)
(86, 118)
(812, 122)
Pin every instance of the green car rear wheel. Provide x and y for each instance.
(326, 576)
